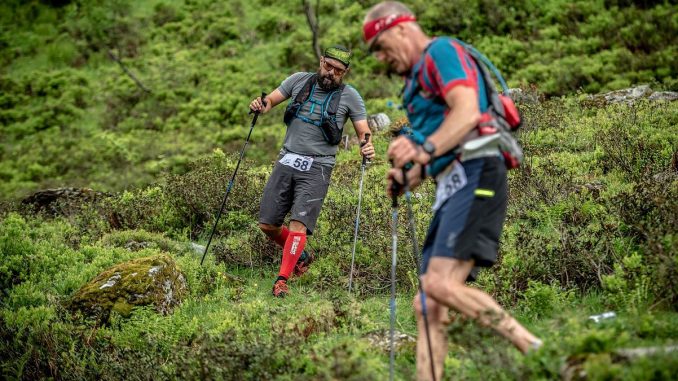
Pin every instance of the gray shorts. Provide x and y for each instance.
(302, 193)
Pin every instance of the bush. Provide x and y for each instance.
(578, 205)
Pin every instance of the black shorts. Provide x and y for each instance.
(302, 193)
(468, 225)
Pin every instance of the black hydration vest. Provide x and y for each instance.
(328, 110)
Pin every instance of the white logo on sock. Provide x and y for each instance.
(295, 245)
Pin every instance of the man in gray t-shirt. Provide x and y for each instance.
(315, 116)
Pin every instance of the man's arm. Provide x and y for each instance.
(361, 128)
(273, 99)
(463, 117)
(358, 114)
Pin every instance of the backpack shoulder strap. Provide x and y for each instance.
(501, 103)
(486, 65)
(486, 69)
(305, 92)
(334, 99)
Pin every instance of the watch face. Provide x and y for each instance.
(428, 147)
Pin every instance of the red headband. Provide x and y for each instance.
(372, 28)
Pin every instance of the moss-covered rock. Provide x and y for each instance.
(150, 281)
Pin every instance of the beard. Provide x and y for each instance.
(327, 82)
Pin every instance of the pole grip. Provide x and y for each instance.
(406, 185)
(367, 139)
(395, 189)
(256, 114)
(263, 98)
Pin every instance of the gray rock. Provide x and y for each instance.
(628, 95)
(632, 353)
(112, 281)
(631, 95)
(378, 122)
(62, 201)
(382, 339)
(574, 367)
(136, 246)
(668, 96)
(197, 248)
(521, 96)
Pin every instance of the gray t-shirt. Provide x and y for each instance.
(307, 139)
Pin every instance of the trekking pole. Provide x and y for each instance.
(357, 217)
(415, 250)
(230, 183)
(394, 245)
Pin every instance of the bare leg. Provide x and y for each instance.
(279, 234)
(437, 319)
(272, 231)
(296, 226)
(445, 282)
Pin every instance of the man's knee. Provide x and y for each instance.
(433, 284)
(416, 303)
(442, 288)
(297, 226)
(269, 229)
(432, 307)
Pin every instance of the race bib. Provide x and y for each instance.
(298, 162)
(449, 182)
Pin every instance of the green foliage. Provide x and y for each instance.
(542, 300)
(229, 327)
(32, 251)
(565, 46)
(577, 201)
(203, 61)
(139, 239)
(237, 359)
(629, 285)
(591, 219)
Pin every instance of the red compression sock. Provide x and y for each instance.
(282, 237)
(291, 252)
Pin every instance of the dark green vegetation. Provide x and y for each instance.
(591, 224)
(70, 115)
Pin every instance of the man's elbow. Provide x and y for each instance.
(474, 118)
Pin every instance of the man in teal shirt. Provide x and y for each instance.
(446, 103)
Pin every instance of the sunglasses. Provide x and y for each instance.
(329, 67)
(375, 46)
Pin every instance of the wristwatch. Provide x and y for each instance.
(429, 148)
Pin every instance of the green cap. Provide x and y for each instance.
(339, 53)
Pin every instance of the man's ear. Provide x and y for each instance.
(400, 30)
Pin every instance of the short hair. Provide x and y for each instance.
(386, 8)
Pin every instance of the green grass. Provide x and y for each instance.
(590, 226)
(321, 333)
